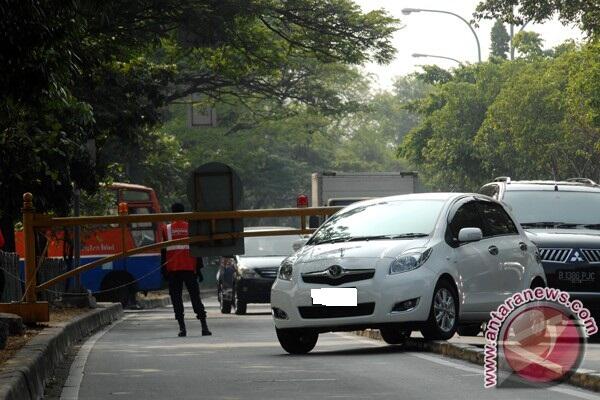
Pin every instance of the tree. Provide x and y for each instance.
(529, 44)
(584, 13)
(81, 71)
(500, 40)
(534, 118)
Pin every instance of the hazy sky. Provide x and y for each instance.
(444, 35)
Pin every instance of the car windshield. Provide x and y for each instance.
(554, 208)
(386, 220)
(270, 245)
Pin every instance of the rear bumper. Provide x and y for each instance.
(254, 290)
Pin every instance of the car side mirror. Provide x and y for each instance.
(470, 235)
(298, 244)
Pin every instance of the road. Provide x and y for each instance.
(141, 358)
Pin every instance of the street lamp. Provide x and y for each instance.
(407, 11)
(420, 55)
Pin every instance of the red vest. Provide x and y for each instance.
(178, 256)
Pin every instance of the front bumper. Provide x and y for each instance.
(381, 294)
(254, 290)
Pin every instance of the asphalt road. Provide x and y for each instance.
(141, 358)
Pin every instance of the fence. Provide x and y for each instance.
(51, 268)
(10, 284)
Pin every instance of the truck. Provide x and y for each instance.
(343, 188)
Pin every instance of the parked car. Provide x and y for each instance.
(248, 278)
(430, 262)
(563, 219)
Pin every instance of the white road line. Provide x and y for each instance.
(441, 360)
(70, 389)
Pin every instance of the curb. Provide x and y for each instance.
(24, 376)
(165, 301)
(585, 379)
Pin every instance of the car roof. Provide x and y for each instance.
(549, 186)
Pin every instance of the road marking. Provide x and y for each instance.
(474, 371)
(71, 387)
(560, 389)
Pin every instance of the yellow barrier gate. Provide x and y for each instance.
(33, 311)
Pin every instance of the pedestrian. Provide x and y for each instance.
(180, 267)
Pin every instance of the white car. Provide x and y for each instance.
(430, 262)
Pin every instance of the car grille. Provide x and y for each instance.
(347, 275)
(592, 255)
(555, 255)
(313, 312)
(270, 272)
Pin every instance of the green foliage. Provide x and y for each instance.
(529, 44)
(500, 40)
(276, 156)
(532, 118)
(78, 71)
(585, 13)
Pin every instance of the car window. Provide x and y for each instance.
(265, 246)
(467, 216)
(387, 218)
(490, 190)
(495, 220)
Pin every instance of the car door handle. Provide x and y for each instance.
(523, 246)
(493, 250)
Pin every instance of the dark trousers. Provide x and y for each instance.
(176, 281)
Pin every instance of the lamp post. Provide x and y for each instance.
(420, 55)
(407, 11)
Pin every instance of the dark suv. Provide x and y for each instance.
(563, 219)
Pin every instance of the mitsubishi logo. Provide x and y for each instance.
(335, 271)
(576, 257)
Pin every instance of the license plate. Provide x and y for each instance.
(334, 297)
(577, 276)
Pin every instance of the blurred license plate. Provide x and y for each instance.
(334, 297)
(577, 276)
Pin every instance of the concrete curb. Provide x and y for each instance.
(165, 301)
(24, 376)
(584, 378)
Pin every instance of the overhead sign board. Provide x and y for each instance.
(215, 187)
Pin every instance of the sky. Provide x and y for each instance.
(444, 35)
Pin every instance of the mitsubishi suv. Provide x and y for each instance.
(563, 219)
(430, 262)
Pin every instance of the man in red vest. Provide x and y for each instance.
(180, 268)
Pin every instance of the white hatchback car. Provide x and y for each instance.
(430, 262)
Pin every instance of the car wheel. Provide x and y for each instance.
(224, 305)
(394, 335)
(443, 316)
(469, 330)
(297, 341)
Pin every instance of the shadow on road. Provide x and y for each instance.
(366, 351)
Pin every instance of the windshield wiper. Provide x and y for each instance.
(374, 237)
(380, 237)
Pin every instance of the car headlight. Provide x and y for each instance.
(411, 259)
(285, 270)
(247, 273)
